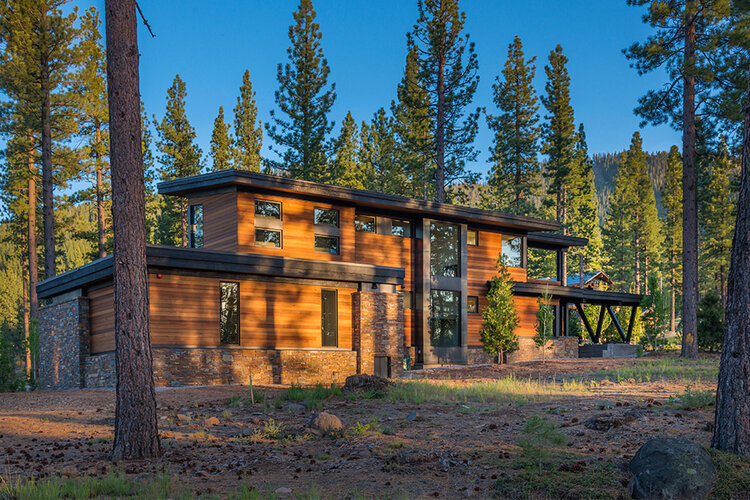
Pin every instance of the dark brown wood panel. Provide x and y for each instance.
(298, 228)
(102, 320)
(219, 221)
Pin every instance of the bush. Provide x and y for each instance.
(710, 322)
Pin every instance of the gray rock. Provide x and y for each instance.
(411, 416)
(668, 468)
(364, 382)
(326, 423)
(295, 407)
(606, 421)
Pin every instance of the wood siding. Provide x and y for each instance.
(102, 320)
(298, 236)
(219, 221)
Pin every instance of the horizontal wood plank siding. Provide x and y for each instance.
(298, 237)
(102, 320)
(219, 221)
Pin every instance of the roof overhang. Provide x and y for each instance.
(552, 241)
(244, 180)
(195, 260)
(577, 294)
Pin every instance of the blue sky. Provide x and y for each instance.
(210, 44)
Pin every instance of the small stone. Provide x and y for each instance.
(295, 407)
(326, 423)
(411, 416)
(211, 421)
(181, 417)
(69, 471)
(283, 491)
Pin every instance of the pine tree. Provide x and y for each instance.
(221, 143)
(559, 133)
(413, 127)
(346, 169)
(717, 213)
(305, 100)
(180, 157)
(583, 220)
(672, 228)
(383, 158)
(499, 318)
(93, 122)
(515, 174)
(37, 66)
(449, 82)
(248, 129)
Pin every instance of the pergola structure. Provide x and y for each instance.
(577, 295)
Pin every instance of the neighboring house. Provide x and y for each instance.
(288, 281)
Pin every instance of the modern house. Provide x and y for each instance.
(289, 281)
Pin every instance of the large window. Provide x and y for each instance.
(329, 318)
(364, 223)
(511, 248)
(229, 313)
(444, 249)
(326, 222)
(196, 226)
(268, 224)
(444, 318)
(401, 228)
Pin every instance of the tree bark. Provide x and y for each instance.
(673, 294)
(732, 415)
(136, 433)
(31, 237)
(100, 196)
(25, 301)
(689, 197)
(48, 198)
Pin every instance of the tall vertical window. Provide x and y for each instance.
(329, 318)
(444, 251)
(326, 223)
(195, 213)
(229, 313)
(511, 250)
(268, 224)
(445, 308)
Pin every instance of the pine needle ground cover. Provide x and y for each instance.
(512, 431)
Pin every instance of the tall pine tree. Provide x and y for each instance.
(248, 130)
(671, 199)
(515, 177)
(448, 76)
(221, 143)
(384, 159)
(559, 133)
(347, 169)
(304, 100)
(180, 157)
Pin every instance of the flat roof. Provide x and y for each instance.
(553, 241)
(578, 294)
(244, 180)
(198, 260)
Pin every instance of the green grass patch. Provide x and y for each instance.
(505, 390)
(733, 476)
(585, 482)
(693, 398)
(312, 397)
(666, 368)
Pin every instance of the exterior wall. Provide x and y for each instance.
(219, 221)
(378, 330)
(560, 348)
(102, 318)
(63, 343)
(298, 236)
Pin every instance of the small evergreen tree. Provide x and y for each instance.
(221, 143)
(500, 319)
(305, 100)
(545, 317)
(656, 316)
(710, 322)
(347, 169)
(248, 130)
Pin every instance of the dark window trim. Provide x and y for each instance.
(476, 299)
(266, 223)
(322, 312)
(279, 203)
(338, 216)
(338, 243)
(273, 230)
(239, 323)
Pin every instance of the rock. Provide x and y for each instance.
(606, 421)
(326, 423)
(69, 471)
(181, 417)
(295, 407)
(211, 421)
(411, 416)
(283, 490)
(363, 382)
(671, 468)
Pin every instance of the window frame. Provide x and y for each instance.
(476, 237)
(328, 209)
(335, 293)
(408, 224)
(239, 323)
(272, 202)
(475, 299)
(267, 223)
(330, 236)
(374, 223)
(192, 225)
(261, 245)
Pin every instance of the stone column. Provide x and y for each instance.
(63, 343)
(378, 327)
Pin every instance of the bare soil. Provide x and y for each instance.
(447, 449)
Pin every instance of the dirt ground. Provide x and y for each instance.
(453, 450)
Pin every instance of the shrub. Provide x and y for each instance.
(540, 438)
(500, 319)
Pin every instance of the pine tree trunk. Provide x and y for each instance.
(440, 135)
(31, 239)
(689, 200)
(732, 416)
(25, 301)
(672, 285)
(100, 197)
(48, 198)
(136, 433)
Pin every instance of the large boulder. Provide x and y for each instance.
(325, 423)
(668, 468)
(364, 382)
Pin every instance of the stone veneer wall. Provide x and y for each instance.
(63, 343)
(562, 347)
(378, 330)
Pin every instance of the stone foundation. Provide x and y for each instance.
(558, 348)
(378, 330)
(64, 343)
(477, 356)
